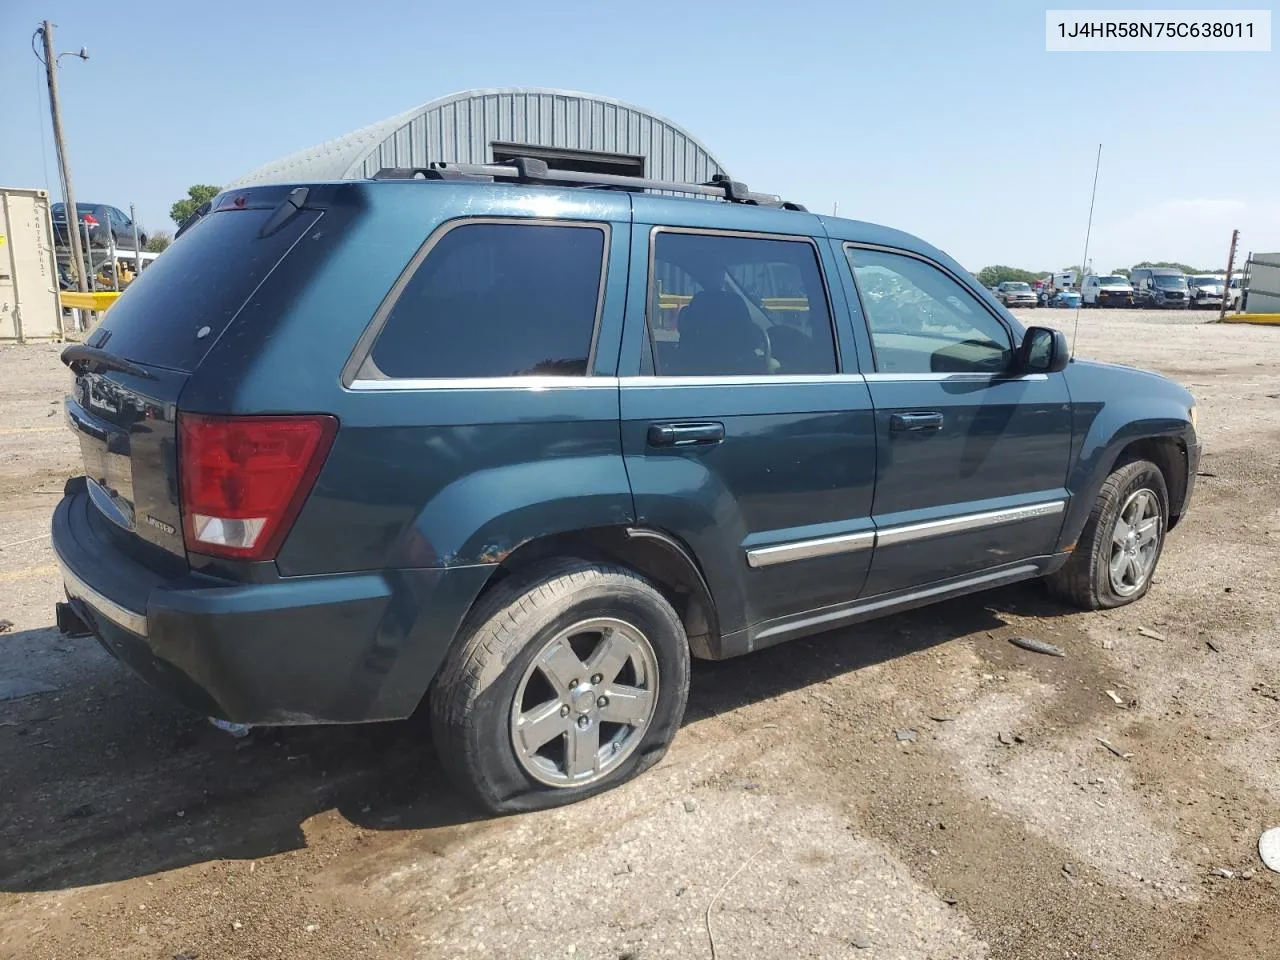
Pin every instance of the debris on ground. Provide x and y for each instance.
(1213, 646)
(1037, 646)
(1118, 752)
(941, 718)
(1116, 698)
(690, 804)
(1009, 739)
(16, 688)
(1151, 634)
(6, 626)
(1265, 689)
(1269, 849)
(237, 730)
(1069, 869)
(860, 943)
(1223, 872)
(1246, 874)
(1108, 644)
(905, 736)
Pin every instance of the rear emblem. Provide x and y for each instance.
(160, 525)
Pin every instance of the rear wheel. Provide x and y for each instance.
(1115, 558)
(568, 680)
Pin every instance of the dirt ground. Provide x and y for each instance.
(788, 820)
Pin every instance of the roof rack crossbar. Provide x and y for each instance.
(533, 170)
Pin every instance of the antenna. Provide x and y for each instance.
(1075, 330)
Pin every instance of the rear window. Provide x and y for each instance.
(200, 282)
(497, 300)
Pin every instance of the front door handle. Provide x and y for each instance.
(915, 422)
(685, 434)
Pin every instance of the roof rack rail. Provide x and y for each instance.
(533, 170)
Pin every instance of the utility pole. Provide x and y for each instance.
(64, 169)
(1226, 284)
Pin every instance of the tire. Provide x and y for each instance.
(1086, 580)
(490, 676)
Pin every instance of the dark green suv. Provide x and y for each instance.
(521, 442)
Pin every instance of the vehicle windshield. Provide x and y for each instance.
(1206, 281)
(1169, 282)
(1109, 281)
(1017, 288)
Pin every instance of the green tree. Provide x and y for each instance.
(158, 242)
(196, 195)
(994, 276)
(1178, 266)
(1121, 272)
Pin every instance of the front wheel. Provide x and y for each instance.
(568, 680)
(1116, 556)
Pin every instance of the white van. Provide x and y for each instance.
(1111, 290)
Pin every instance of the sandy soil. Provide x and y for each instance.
(787, 821)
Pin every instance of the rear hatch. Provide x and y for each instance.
(130, 372)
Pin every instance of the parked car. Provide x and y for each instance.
(1159, 287)
(1014, 294)
(1066, 298)
(1205, 292)
(351, 447)
(105, 225)
(1237, 293)
(1112, 290)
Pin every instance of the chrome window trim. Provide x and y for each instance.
(123, 617)
(952, 377)
(657, 229)
(759, 557)
(849, 245)
(361, 358)
(908, 533)
(753, 380)
(533, 384)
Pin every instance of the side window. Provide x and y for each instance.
(721, 305)
(497, 300)
(923, 321)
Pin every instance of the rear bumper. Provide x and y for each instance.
(329, 649)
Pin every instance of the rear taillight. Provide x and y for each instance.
(90, 219)
(244, 479)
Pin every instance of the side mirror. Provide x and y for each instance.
(1043, 351)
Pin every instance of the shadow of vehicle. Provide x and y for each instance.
(105, 780)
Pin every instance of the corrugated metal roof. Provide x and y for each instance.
(460, 128)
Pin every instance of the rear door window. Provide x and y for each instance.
(497, 300)
(727, 305)
(178, 307)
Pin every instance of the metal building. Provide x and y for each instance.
(575, 131)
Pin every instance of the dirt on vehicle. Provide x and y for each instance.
(915, 787)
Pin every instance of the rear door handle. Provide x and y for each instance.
(685, 434)
(915, 422)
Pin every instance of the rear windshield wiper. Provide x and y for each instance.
(80, 356)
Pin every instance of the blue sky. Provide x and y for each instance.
(946, 119)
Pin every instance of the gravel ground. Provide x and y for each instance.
(787, 821)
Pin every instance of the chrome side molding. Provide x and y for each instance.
(758, 557)
(808, 549)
